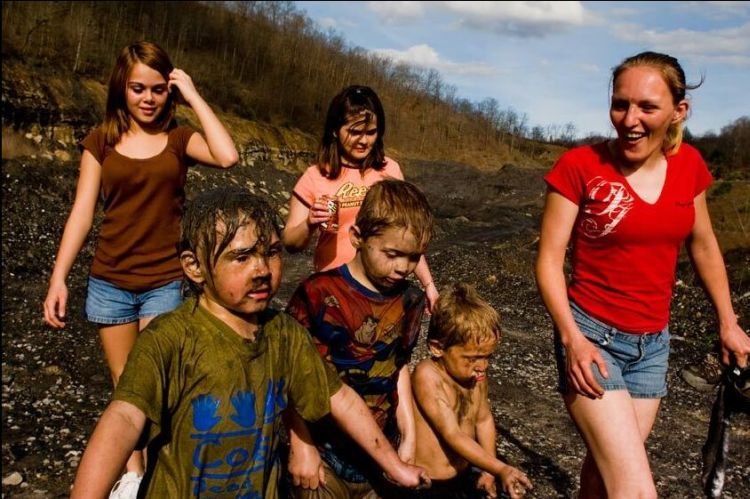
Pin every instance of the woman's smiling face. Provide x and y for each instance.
(642, 110)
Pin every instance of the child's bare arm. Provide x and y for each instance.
(486, 436)
(305, 465)
(514, 481)
(353, 416)
(485, 427)
(405, 417)
(114, 438)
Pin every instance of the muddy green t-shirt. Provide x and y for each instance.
(215, 400)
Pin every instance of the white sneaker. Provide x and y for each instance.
(127, 486)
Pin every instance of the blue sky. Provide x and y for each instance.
(553, 60)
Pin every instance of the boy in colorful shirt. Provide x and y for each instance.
(364, 318)
(210, 380)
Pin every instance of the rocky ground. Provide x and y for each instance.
(55, 383)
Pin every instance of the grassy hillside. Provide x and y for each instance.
(265, 62)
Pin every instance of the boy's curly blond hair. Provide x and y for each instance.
(461, 316)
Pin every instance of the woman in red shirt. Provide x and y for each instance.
(626, 206)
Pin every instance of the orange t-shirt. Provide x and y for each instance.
(335, 248)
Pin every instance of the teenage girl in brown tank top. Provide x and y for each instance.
(138, 149)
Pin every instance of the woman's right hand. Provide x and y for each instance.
(318, 212)
(580, 354)
(55, 305)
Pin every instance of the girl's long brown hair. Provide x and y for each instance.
(117, 117)
(351, 101)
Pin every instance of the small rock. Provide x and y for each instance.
(14, 478)
(62, 155)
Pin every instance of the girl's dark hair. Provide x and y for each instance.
(673, 75)
(350, 102)
(228, 209)
(117, 117)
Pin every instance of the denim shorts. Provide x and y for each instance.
(635, 362)
(110, 305)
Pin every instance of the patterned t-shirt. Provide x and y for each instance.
(624, 248)
(214, 400)
(368, 337)
(335, 248)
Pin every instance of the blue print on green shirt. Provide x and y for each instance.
(221, 468)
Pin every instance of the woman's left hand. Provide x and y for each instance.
(181, 80)
(735, 345)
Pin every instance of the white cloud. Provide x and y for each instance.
(525, 19)
(326, 23)
(427, 57)
(722, 10)
(729, 45)
(589, 68)
(397, 11)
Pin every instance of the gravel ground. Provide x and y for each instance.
(55, 383)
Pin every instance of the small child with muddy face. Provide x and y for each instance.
(454, 425)
(364, 319)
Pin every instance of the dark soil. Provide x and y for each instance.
(55, 383)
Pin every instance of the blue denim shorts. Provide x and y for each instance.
(110, 305)
(635, 362)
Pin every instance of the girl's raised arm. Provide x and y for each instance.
(217, 148)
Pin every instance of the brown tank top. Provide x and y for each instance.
(143, 201)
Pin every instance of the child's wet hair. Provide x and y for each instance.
(461, 316)
(395, 203)
(229, 209)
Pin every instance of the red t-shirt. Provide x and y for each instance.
(624, 250)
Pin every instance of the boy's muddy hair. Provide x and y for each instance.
(212, 219)
(461, 316)
(395, 203)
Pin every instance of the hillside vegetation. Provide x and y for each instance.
(263, 62)
(267, 64)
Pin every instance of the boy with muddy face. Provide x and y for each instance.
(454, 425)
(364, 317)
